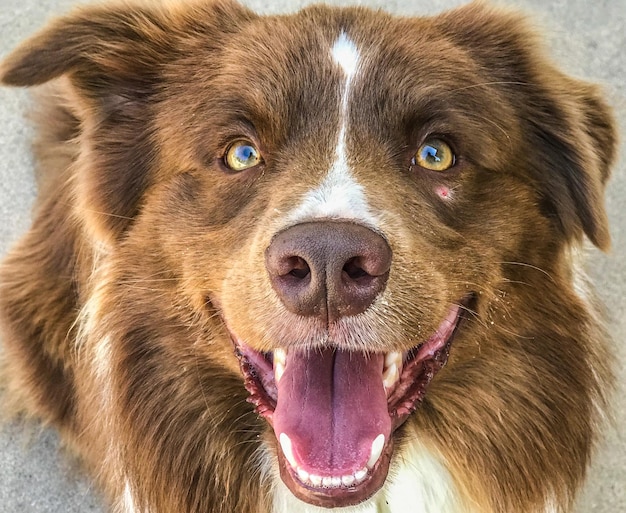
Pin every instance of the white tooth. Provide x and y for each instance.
(336, 482)
(280, 356)
(327, 482)
(315, 480)
(347, 480)
(285, 443)
(393, 358)
(359, 475)
(303, 475)
(280, 361)
(391, 376)
(279, 370)
(377, 449)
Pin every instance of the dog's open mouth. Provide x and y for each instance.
(334, 412)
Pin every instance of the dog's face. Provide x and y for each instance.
(342, 200)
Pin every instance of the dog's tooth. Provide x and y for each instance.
(333, 481)
(359, 475)
(285, 444)
(279, 370)
(391, 376)
(303, 475)
(393, 358)
(280, 356)
(280, 361)
(377, 449)
(315, 479)
(347, 480)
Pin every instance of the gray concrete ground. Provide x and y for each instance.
(589, 38)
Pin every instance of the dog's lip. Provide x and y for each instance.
(419, 366)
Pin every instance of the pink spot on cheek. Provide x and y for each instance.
(443, 192)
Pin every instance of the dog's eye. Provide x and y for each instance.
(242, 155)
(435, 155)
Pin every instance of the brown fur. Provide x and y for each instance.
(140, 237)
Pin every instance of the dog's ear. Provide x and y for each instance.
(97, 46)
(103, 47)
(113, 59)
(567, 128)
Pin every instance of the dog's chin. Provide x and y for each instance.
(334, 412)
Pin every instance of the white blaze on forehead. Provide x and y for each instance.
(339, 195)
(345, 54)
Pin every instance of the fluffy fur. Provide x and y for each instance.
(147, 255)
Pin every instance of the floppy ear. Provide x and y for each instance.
(578, 145)
(99, 46)
(568, 130)
(113, 58)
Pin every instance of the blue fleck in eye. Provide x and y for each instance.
(435, 155)
(242, 155)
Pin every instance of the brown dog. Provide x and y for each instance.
(324, 259)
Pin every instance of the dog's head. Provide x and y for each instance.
(334, 192)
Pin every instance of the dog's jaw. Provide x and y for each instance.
(301, 392)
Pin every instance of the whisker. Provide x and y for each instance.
(488, 120)
(198, 375)
(147, 280)
(486, 84)
(530, 266)
(106, 214)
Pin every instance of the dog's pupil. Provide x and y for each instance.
(246, 153)
(430, 154)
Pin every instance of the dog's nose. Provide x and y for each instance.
(328, 269)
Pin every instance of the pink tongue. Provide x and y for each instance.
(332, 405)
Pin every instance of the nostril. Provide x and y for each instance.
(288, 266)
(298, 267)
(354, 269)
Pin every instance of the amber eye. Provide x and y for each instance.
(435, 155)
(242, 155)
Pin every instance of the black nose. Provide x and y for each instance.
(328, 269)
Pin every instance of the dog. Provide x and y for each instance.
(286, 264)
